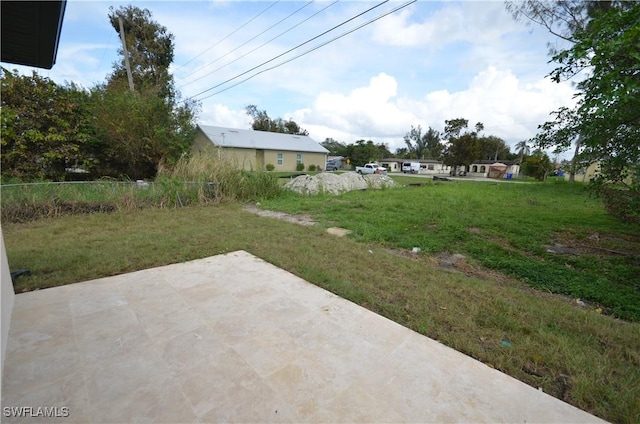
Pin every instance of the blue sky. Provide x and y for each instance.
(428, 62)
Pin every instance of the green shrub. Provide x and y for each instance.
(621, 202)
(270, 167)
(312, 168)
(300, 167)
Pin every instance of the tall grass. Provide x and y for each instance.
(223, 176)
(197, 179)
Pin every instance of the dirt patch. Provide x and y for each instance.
(598, 244)
(304, 220)
(447, 260)
(339, 232)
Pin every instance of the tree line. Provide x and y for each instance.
(457, 146)
(51, 131)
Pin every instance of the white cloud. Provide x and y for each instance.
(473, 22)
(221, 115)
(508, 108)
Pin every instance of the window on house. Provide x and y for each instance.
(298, 158)
(430, 167)
(482, 169)
(280, 159)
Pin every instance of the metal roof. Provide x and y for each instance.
(31, 32)
(251, 139)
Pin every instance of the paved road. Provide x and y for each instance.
(482, 179)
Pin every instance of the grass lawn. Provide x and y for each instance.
(500, 293)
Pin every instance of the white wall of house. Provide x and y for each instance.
(482, 170)
(425, 167)
(434, 168)
(7, 298)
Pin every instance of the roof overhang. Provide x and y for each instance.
(31, 32)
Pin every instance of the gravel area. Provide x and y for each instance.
(326, 182)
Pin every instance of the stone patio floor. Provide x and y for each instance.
(232, 338)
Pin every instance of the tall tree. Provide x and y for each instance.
(493, 148)
(423, 146)
(149, 49)
(463, 146)
(433, 144)
(45, 128)
(335, 148)
(604, 41)
(402, 153)
(139, 130)
(523, 149)
(262, 122)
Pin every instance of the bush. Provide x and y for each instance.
(270, 167)
(300, 167)
(312, 168)
(622, 203)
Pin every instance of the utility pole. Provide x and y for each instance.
(126, 55)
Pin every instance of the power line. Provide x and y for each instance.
(263, 44)
(229, 35)
(241, 45)
(306, 52)
(290, 50)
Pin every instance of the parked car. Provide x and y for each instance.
(331, 166)
(411, 167)
(371, 168)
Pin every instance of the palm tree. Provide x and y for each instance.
(523, 149)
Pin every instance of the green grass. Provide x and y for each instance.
(504, 227)
(588, 359)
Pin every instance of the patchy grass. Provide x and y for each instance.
(510, 228)
(588, 359)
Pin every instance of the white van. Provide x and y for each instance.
(412, 167)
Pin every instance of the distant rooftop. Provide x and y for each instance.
(251, 139)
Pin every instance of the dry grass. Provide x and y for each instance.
(589, 360)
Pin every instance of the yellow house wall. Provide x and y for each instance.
(246, 158)
(590, 173)
(290, 159)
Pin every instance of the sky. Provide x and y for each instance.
(426, 63)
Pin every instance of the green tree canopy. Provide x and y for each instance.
(262, 122)
(493, 148)
(150, 51)
(108, 130)
(139, 130)
(538, 165)
(463, 146)
(45, 128)
(423, 146)
(335, 148)
(605, 52)
(366, 151)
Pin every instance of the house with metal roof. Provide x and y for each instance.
(254, 150)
